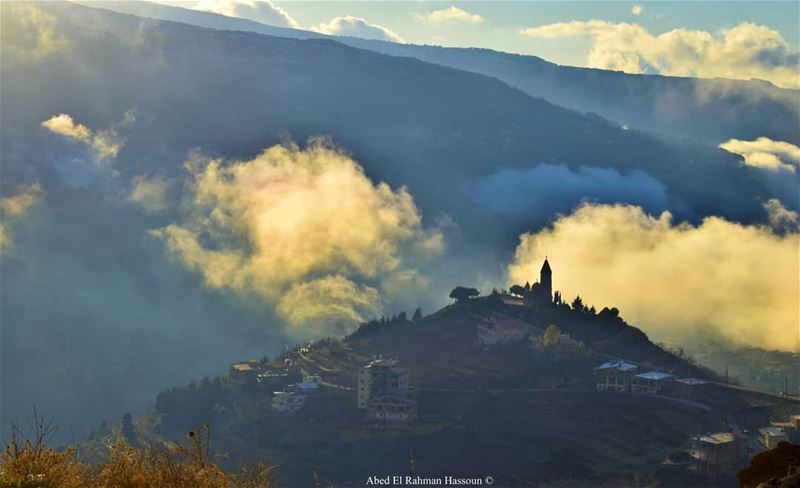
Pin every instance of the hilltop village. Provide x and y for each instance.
(386, 394)
(520, 357)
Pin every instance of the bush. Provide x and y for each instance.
(27, 462)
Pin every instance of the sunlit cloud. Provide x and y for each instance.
(30, 33)
(263, 11)
(637, 10)
(448, 15)
(106, 143)
(766, 153)
(305, 230)
(676, 281)
(150, 194)
(357, 27)
(745, 51)
(13, 208)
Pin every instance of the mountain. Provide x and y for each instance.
(711, 110)
(525, 417)
(407, 122)
(121, 320)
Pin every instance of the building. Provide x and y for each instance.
(310, 384)
(385, 393)
(244, 371)
(541, 291)
(501, 331)
(772, 436)
(652, 382)
(717, 452)
(392, 411)
(285, 401)
(381, 377)
(614, 376)
(689, 387)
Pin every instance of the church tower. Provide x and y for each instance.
(546, 280)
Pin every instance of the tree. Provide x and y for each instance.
(127, 429)
(557, 297)
(577, 304)
(462, 294)
(517, 290)
(551, 335)
(402, 317)
(417, 314)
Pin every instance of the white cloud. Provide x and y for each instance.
(12, 208)
(676, 281)
(766, 153)
(450, 14)
(357, 27)
(305, 230)
(263, 11)
(637, 10)
(745, 51)
(106, 143)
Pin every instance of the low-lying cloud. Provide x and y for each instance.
(305, 230)
(744, 52)
(30, 34)
(766, 153)
(106, 143)
(263, 11)
(676, 280)
(549, 189)
(357, 27)
(777, 161)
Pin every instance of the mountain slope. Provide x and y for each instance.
(520, 416)
(408, 122)
(713, 110)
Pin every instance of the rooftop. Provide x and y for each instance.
(691, 381)
(717, 438)
(242, 367)
(620, 365)
(654, 375)
(772, 431)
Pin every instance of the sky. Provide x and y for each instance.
(511, 26)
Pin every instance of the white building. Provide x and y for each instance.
(652, 382)
(772, 436)
(381, 377)
(614, 376)
(284, 401)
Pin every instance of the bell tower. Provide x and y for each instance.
(546, 280)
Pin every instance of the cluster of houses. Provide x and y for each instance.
(622, 376)
(293, 397)
(724, 451)
(386, 394)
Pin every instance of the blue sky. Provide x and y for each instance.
(504, 19)
(712, 39)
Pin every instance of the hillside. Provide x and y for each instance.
(713, 110)
(522, 418)
(438, 131)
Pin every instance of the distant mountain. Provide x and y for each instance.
(115, 308)
(408, 122)
(712, 110)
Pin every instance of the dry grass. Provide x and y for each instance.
(27, 462)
